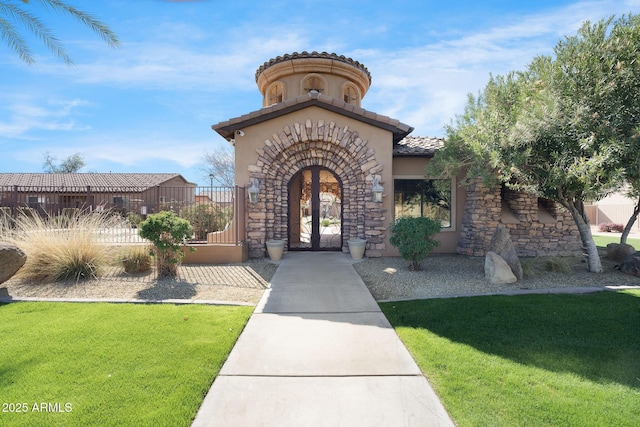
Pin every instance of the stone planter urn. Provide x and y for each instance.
(356, 248)
(275, 247)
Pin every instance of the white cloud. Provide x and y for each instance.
(25, 114)
(427, 86)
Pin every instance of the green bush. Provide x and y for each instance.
(134, 219)
(205, 219)
(413, 238)
(167, 232)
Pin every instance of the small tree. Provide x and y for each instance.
(167, 233)
(71, 164)
(219, 167)
(413, 238)
(205, 219)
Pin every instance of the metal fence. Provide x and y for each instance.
(210, 210)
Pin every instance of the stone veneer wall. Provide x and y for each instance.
(315, 143)
(531, 237)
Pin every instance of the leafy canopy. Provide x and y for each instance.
(566, 129)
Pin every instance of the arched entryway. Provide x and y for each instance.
(315, 210)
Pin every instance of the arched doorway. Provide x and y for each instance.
(315, 210)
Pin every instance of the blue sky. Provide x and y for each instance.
(148, 106)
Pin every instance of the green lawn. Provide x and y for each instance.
(111, 364)
(543, 360)
(602, 241)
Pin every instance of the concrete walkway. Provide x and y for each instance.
(319, 352)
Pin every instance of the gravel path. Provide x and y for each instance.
(386, 278)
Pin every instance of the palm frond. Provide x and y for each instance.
(12, 14)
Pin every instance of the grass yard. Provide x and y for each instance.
(603, 241)
(66, 364)
(539, 360)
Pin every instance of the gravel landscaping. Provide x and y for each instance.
(234, 283)
(455, 275)
(387, 279)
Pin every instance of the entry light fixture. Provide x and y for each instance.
(378, 190)
(253, 191)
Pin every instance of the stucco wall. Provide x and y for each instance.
(413, 168)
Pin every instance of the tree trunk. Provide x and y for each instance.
(632, 220)
(593, 258)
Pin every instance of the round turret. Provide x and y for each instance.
(290, 76)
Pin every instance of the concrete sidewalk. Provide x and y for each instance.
(319, 352)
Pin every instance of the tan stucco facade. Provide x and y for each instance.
(311, 126)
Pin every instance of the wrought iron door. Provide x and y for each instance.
(315, 210)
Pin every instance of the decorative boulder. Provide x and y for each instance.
(497, 270)
(631, 264)
(619, 251)
(11, 259)
(502, 245)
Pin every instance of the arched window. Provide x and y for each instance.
(350, 95)
(275, 94)
(313, 82)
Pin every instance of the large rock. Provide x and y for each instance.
(502, 245)
(11, 259)
(631, 264)
(619, 251)
(497, 270)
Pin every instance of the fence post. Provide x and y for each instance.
(236, 216)
(14, 203)
(157, 199)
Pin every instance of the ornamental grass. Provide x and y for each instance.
(62, 247)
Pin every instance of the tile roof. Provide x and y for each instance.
(227, 128)
(314, 54)
(102, 180)
(417, 146)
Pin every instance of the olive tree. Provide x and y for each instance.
(564, 129)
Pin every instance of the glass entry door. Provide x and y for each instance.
(315, 210)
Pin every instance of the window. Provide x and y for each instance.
(121, 202)
(36, 202)
(313, 82)
(275, 94)
(350, 95)
(423, 197)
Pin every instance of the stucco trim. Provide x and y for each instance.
(227, 128)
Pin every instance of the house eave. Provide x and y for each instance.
(227, 129)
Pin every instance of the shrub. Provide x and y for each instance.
(557, 265)
(205, 219)
(325, 222)
(413, 238)
(61, 253)
(167, 232)
(6, 219)
(136, 259)
(608, 227)
(529, 267)
(134, 219)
